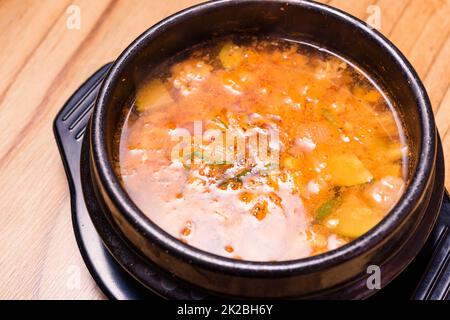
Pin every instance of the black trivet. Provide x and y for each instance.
(426, 278)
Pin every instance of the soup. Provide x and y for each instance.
(262, 149)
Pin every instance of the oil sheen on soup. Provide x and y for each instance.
(262, 150)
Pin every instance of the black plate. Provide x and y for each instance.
(427, 277)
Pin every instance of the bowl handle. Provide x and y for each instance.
(435, 284)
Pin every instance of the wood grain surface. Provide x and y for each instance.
(42, 62)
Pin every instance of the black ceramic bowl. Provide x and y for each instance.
(341, 273)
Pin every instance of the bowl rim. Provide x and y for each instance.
(407, 203)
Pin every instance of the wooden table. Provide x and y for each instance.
(42, 62)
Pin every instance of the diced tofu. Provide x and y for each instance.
(302, 145)
(385, 193)
(347, 170)
(187, 77)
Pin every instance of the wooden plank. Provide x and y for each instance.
(437, 78)
(356, 8)
(429, 43)
(42, 69)
(38, 18)
(30, 232)
(443, 116)
(411, 23)
(391, 12)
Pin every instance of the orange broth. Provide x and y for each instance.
(336, 168)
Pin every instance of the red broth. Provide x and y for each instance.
(262, 150)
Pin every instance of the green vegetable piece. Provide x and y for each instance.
(327, 208)
(236, 178)
(220, 123)
(329, 116)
